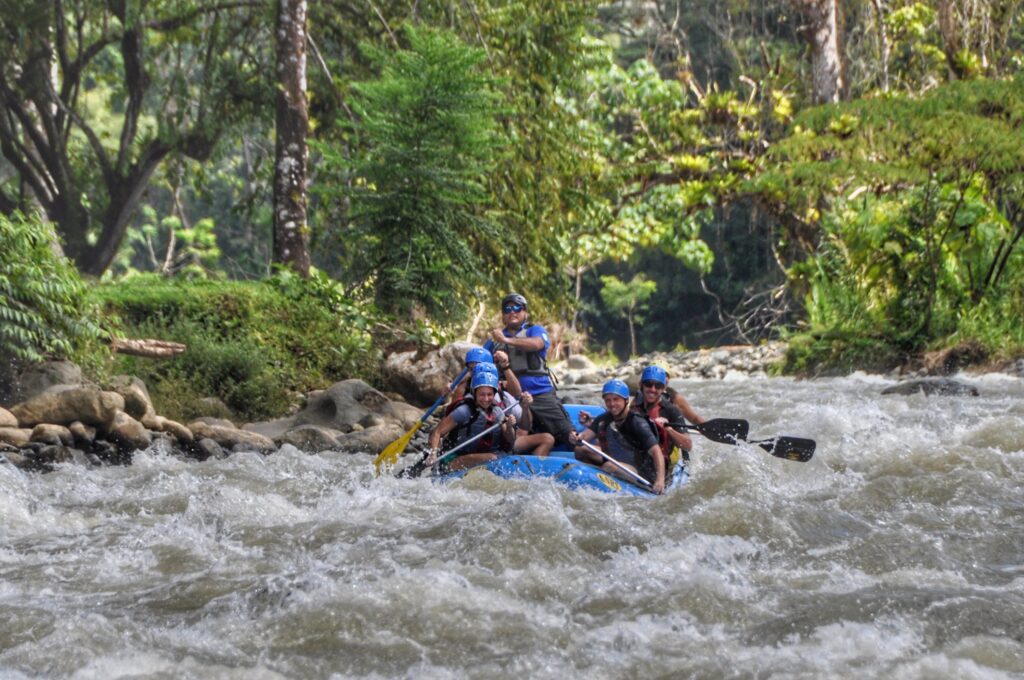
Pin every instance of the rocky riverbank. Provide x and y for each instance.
(54, 416)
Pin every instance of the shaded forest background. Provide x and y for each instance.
(842, 174)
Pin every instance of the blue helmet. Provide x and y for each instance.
(654, 373)
(478, 354)
(484, 379)
(486, 367)
(616, 387)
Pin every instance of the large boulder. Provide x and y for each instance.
(128, 433)
(352, 402)
(422, 378)
(171, 427)
(312, 438)
(7, 418)
(17, 437)
(929, 386)
(38, 378)
(137, 403)
(229, 437)
(370, 440)
(64, 405)
(58, 435)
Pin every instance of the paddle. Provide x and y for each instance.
(389, 456)
(614, 462)
(416, 469)
(731, 431)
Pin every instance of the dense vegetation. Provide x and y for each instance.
(652, 175)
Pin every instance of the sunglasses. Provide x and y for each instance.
(508, 309)
(651, 383)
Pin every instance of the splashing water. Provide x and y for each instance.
(897, 551)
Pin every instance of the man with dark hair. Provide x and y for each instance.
(526, 346)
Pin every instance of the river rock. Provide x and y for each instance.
(207, 448)
(15, 436)
(16, 459)
(171, 427)
(274, 429)
(312, 438)
(128, 433)
(938, 386)
(38, 378)
(84, 435)
(57, 435)
(7, 418)
(369, 440)
(229, 437)
(423, 378)
(349, 402)
(137, 403)
(64, 405)
(580, 362)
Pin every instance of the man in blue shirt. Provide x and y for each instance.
(522, 347)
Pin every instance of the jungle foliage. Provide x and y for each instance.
(464, 149)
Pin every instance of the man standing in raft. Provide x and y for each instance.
(526, 346)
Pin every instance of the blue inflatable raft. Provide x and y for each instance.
(562, 467)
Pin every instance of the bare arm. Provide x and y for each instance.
(659, 468)
(680, 401)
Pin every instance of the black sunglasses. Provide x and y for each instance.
(651, 383)
(508, 309)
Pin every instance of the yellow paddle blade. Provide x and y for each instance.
(389, 456)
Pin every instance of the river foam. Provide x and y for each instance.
(896, 551)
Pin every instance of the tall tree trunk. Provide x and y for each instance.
(828, 70)
(291, 236)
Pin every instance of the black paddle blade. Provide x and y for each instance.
(724, 430)
(791, 448)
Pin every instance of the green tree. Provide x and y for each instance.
(418, 229)
(42, 300)
(94, 96)
(629, 299)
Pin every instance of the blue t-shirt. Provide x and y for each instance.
(535, 384)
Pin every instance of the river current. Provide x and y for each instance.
(897, 552)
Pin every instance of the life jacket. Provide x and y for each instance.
(521, 361)
(668, 447)
(604, 421)
(462, 432)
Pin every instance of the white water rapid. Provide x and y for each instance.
(897, 552)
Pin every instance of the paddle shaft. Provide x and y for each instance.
(730, 431)
(614, 462)
(492, 428)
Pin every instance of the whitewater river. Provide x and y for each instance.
(897, 552)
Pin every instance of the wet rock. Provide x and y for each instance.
(57, 435)
(174, 428)
(369, 440)
(229, 437)
(7, 418)
(15, 436)
(951, 360)
(129, 434)
(137, 403)
(274, 429)
(312, 438)
(89, 405)
(929, 386)
(15, 459)
(207, 448)
(49, 456)
(349, 402)
(422, 378)
(84, 436)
